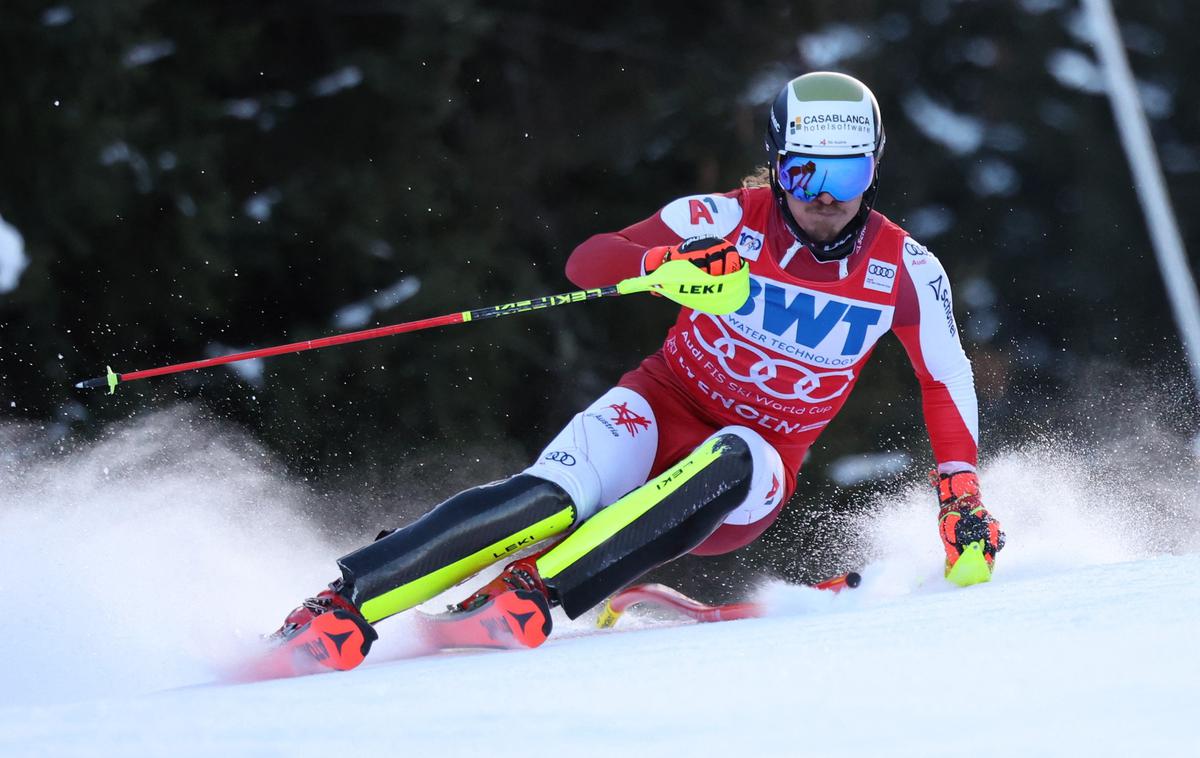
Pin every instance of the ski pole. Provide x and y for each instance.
(679, 280)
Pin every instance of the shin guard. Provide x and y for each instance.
(455, 540)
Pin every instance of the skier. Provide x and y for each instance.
(698, 448)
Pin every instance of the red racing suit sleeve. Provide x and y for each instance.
(924, 323)
(607, 258)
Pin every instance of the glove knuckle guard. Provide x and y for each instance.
(715, 255)
(695, 244)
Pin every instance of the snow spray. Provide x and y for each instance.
(1065, 502)
(129, 564)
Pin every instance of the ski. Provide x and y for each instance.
(665, 597)
(508, 621)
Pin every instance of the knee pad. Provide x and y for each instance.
(768, 483)
(607, 450)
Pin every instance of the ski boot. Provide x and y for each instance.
(512, 610)
(324, 631)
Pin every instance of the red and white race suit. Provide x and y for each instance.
(781, 366)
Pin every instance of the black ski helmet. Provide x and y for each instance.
(829, 115)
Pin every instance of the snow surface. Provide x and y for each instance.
(132, 568)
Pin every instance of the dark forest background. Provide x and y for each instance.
(195, 177)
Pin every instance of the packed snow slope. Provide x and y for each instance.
(1094, 661)
(134, 569)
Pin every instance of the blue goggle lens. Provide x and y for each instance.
(806, 176)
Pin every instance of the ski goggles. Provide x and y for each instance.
(806, 176)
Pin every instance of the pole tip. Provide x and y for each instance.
(111, 379)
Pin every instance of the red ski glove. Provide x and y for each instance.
(713, 254)
(963, 522)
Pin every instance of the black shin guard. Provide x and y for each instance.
(659, 521)
(453, 541)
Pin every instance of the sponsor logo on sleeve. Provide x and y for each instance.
(701, 211)
(881, 276)
(942, 293)
(702, 215)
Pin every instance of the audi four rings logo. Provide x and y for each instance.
(558, 456)
(778, 377)
(877, 270)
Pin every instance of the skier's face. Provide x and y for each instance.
(824, 216)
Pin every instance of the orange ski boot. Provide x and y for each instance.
(511, 611)
(326, 631)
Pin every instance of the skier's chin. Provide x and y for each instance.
(823, 232)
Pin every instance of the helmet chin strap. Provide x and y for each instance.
(843, 242)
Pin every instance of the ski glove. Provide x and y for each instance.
(713, 254)
(963, 522)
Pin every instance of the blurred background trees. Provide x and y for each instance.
(193, 177)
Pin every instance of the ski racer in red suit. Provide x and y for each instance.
(697, 449)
